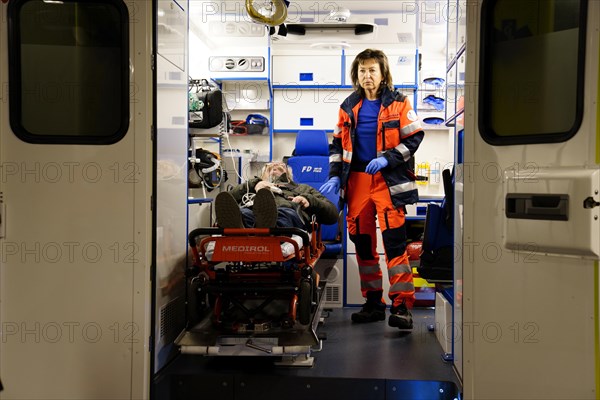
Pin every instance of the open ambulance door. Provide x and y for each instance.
(75, 198)
(531, 179)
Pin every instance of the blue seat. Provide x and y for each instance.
(310, 165)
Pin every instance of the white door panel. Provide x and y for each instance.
(530, 317)
(545, 211)
(523, 311)
(171, 187)
(75, 257)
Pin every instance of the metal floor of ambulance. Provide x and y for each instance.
(357, 361)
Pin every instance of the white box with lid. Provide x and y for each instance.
(295, 108)
(307, 70)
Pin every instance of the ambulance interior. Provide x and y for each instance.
(122, 121)
(280, 89)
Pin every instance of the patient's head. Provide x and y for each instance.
(274, 170)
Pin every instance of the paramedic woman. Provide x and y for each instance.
(376, 135)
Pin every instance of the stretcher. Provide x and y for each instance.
(264, 296)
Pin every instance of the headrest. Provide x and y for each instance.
(311, 143)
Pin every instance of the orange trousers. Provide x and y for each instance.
(368, 197)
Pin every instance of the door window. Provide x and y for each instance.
(532, 70)
(69, 70)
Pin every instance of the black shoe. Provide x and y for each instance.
(228, 211)
(373, 310)
(265, 209)
(400, 317)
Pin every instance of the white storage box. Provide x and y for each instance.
(307, 70)
(443, 322)
(306, 109)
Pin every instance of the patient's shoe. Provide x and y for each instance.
(227, 211)
(265, 209)
(400, 317)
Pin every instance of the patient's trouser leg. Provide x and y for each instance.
(286, 218)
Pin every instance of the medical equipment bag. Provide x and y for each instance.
(205, 105)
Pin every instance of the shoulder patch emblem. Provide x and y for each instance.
(412, 115)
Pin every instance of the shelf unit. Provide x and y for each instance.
(454, 119)
(242, 96)
(304, 92)
(328, 97)
(314, 73)
(307, 93)
(250, 95)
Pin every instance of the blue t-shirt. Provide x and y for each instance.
(365, 144)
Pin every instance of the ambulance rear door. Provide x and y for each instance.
(531, 201)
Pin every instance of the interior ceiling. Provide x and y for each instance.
(352, 4)
(430, 36)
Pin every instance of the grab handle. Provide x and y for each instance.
(552, 207)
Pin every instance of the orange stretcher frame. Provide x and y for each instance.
(253, 267)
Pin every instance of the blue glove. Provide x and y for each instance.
(333, 184)
(376, 164)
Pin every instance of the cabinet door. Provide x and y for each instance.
(307, 70)
(460, 89)
(246, 95)
(461, 35)
(453, 14)
(451, 91)
(307, 109)
(172, 40)
(402, 67)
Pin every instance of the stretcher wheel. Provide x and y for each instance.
(305, 301)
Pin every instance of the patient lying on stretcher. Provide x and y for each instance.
(273, 200)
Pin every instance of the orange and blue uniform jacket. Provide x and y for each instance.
(399, 136)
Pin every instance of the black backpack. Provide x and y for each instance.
(205, 105)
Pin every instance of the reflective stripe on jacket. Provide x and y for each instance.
(399, 135)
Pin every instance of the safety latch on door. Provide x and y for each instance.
(590, 203)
